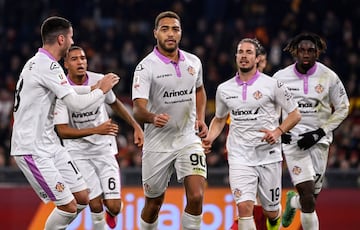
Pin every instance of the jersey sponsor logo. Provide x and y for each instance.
(257, 95)
(139, 67)
(191, 70)
(293, 89)
(59, 187)
(77, 116)
(54, 65)
(307, 104)
(177, 93)
(319, 88)
(239, 112)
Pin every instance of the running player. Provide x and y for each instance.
(95, 147)
(253, 143)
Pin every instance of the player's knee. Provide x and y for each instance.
(114, 207)
(195, 198)
(307, 203)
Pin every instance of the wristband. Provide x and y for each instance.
(282, 131)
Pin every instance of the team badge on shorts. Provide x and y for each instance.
(296, 170)
(60, 186)
(237, 193)
(147, 187)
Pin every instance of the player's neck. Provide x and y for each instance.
(78, 79)
(246, 76)
(53, 52)
(174, 55)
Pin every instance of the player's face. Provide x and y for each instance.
(76, 63)
(246, 59)
(168, 34)
(306, 54)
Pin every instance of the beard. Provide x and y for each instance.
(167, 48)
(246, 70)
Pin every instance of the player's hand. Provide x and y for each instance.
(206, 144)
(108, 82)
(107, 128)
(201, 128)
(138, 136)
(271, 136)
(310, 138)
(160, 120)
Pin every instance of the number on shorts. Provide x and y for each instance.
(76, 170)
(111, 183)
(197, 159)
(317, 178)
(275, 194)
(18, 89)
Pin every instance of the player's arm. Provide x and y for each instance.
(216, 126)
(200, 111)
(119, 108)
(142, 115)
(67, 132)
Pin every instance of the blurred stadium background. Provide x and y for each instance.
(116, 34)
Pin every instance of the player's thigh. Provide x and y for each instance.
(319, 156)
(45, 179)
(243, 182)
(270, 185)
(70, 172)
(157, 168)
(190, 160)
(108, 172)
(88, 170)
(299, 164)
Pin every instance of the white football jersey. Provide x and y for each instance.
(252, 105)
(317, 93)
(41, 80)
(88, 146)
(169, 88)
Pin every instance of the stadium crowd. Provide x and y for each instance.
(115, 35)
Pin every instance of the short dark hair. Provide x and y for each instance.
(166, 14)
(53, 27)
(72, 48)
(292, 46)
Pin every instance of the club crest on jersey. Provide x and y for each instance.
(62, 78)
(191, 70)
(257, 95)
(59, 186)
(319, 88)
(296, 170)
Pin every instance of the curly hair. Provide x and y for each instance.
(292, 46)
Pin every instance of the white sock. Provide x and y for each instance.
(147, 226)
(80, 207)
(246, 223)
(190, 222)
(59, 219)
(98, 220)
(309, 220)
(295, 202)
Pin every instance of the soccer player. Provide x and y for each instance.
(323, 104)
(169, 99)
(95, 147)
(35, 146)
(260, 219)
(253, 143)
